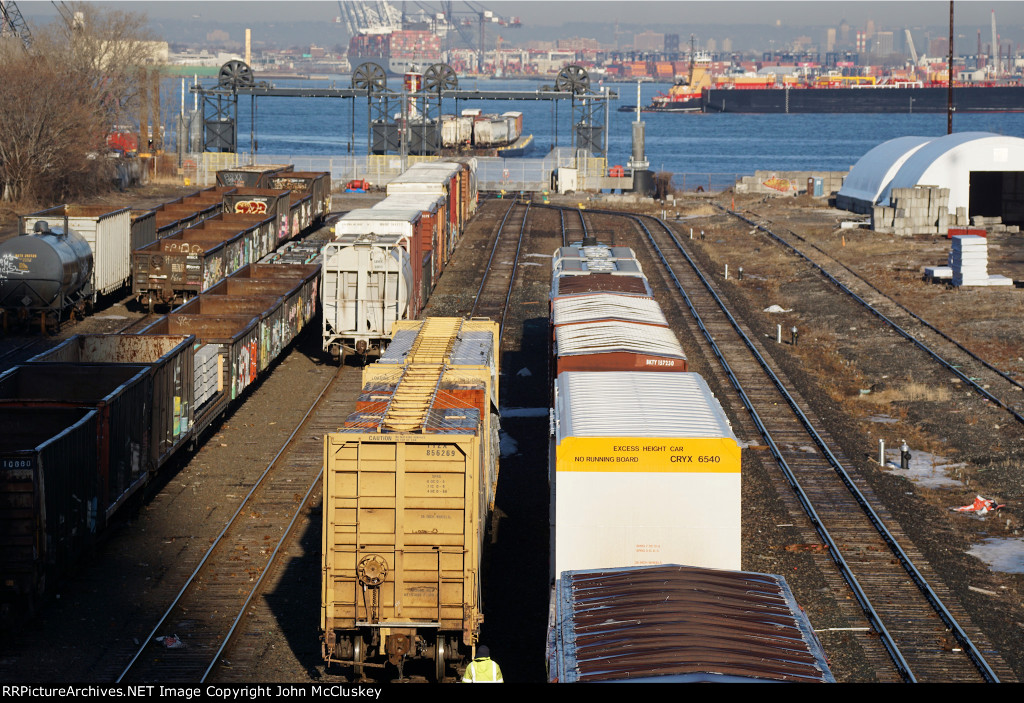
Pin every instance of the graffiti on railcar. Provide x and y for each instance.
(213, 272)
(251, 207)
(246, 365)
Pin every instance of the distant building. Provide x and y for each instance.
(830, 39)
(711, 46)
(884, 43)
(671, 43)
(939, 46)
(727, 45)
(578, 44)
(648, 41)
(844, 34)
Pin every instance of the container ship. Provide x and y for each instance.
(864, 99)
(396, 52)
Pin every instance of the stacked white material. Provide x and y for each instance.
(938, 271)
(969, 260)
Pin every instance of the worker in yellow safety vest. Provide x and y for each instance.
(482, 669)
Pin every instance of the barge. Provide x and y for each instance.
(864, 99)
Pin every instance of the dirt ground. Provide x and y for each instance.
(867, 383)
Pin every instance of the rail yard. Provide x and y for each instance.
(877, 561)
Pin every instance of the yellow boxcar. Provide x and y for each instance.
(408, 489)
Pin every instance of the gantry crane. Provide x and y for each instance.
(12, 24)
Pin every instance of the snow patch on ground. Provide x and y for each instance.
(1001, 553)
(926, 469)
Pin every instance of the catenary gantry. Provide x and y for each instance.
(589, 109)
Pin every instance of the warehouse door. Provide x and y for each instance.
(998, 194)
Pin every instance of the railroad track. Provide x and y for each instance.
(981, 376)
(500, 273)
(912, 612)
(574, 226)
(209, 608)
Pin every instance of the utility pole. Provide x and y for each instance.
(949, 97)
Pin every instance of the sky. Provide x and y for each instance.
(547, 13)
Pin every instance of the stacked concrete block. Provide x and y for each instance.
(918, 210)
(969, 260)
(993, 224)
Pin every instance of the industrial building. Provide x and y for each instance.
(984, 173)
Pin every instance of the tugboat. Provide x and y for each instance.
(686, 94)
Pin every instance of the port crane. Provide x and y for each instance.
(381, 17)
(13, 24)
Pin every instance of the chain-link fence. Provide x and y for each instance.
(493, 173)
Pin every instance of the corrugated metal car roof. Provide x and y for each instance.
(637, 404)
(680, 623)
(401, 214)
(574, 283)
(604, 306)
(616, 335)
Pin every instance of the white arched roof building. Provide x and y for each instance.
(984, 173)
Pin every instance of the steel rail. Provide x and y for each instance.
(950, 621)
(263, 573)
(902, 332)
(515, 267)
(163, 618)
(862, 599)
(991, 367)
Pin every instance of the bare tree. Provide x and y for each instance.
(59, 102)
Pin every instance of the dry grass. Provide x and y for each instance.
(912, 391)
(699, 210)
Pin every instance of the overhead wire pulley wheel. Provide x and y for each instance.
(440, 77)
(235, 74)
(369, 77)
(572, 79)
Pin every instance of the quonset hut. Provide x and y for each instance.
(984, 173)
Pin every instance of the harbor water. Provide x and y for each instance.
(680, 143)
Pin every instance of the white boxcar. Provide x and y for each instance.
(108, 232)
(369, 279)
(433, 177)
(645, 469)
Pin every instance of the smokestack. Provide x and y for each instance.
(248, 47)
(995, 46)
